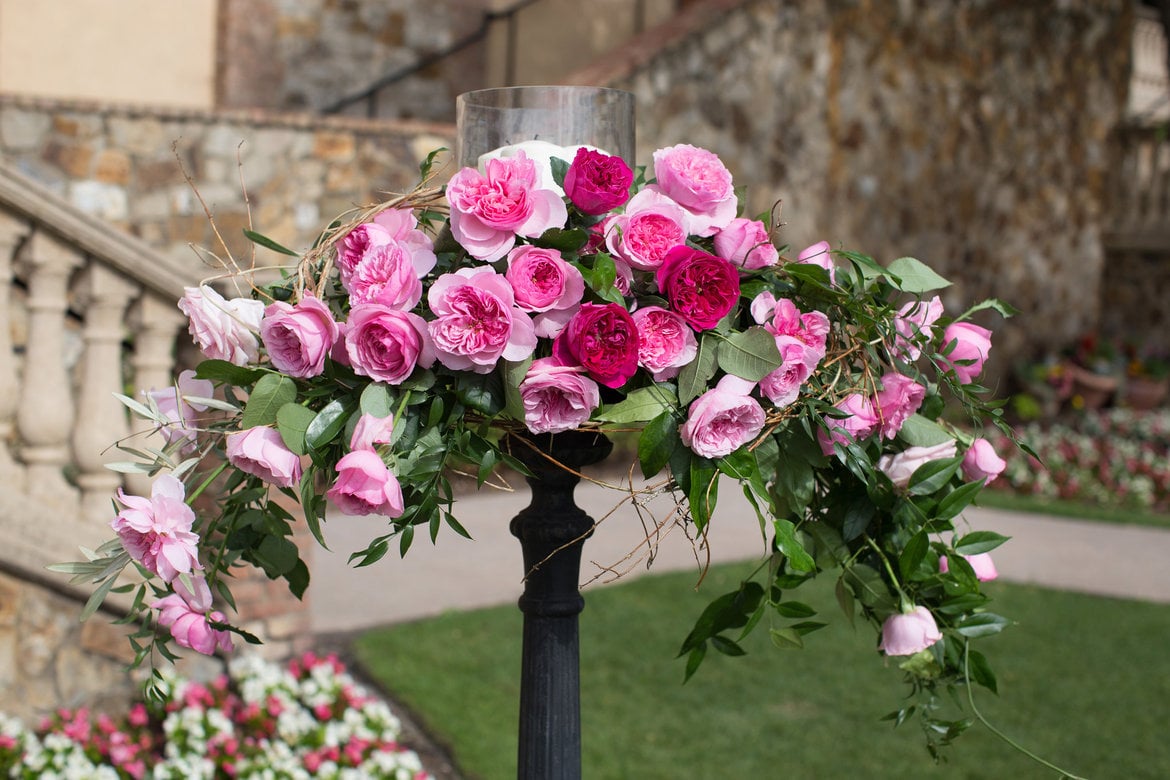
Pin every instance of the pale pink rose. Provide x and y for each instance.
(860, 421)
(385, 275)
(557, 397)
(477, 321)
(899, 467)
(651, 226)
(156, 531)
(364, 486)
(489, 210)
(697, 180)
(723, 419)
(820, 254)
(603, 339)
(913, 325)
(899, 398)
(746, 243)
(665, 342)
(261, 452)
(371, 430)
(186, 613)
(224, 330)
(907, 633)
(386, 344)
(392, 225)
(972, 343)
(782, 318)
(981, 563)
(299, 338)
(981, 463)
(782, 386)
(174, 404)
(543, 283)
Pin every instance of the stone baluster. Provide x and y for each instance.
(45, 415)
(105, 295)
(12, 232)
(156, 322)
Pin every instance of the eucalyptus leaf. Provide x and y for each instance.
(266, 242)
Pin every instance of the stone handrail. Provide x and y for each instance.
(1139, 198)
(86, 311)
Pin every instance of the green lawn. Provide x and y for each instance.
(1084, 681)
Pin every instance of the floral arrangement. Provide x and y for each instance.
(308, 720)
(572, 293)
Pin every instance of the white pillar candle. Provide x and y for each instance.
(540, 152)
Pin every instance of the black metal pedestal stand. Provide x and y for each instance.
(552, 531)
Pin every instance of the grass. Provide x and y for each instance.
(1002, 499)
(1084, 682)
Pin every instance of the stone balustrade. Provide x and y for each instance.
(1139, 204)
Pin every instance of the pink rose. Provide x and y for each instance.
(477, 321)
(781, 318)
(174, 404)
(697, 180)
(185, 612)
(364, 486)
(746, 243)
(261, 451)
(723, 419)
(156, 531)
(371, 430)
(489, 211)
(782, 386)
(397, 226)
(701, 288)
(386, 344)
(899, 398)
(820, 254)
(604, 340)
(981, 563)
(909, 632)
(860, 421)
(971, 345)
(544, 283)
(597, 183)
(651, 226)
(981, 463)
(900, 466)
(665, 343)
(224, 330)
(913, 324)
(298, 338)
(385, 275)
(557, 397)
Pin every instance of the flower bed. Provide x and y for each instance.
(307, 720)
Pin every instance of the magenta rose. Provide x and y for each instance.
(820, 254)
(386, 344)
(909, 632)
(981, 463)
(899, 398)
(597, 183)
(723, 419)
(557, 397)
(489, 210)
(746, 243)
(665, 343)
(385, 275)
(224, 330)
(697, 180)
(981, 564)
(187, 612)
(701, 288)
(859, 422)
(261, 451)
(899, 467)
(298, 338)
(912, 326)
(545, 284)
(782, 386)
(971, 345)
(156, 531)
(477, 321)
(174, 403)
(651, 226)
(364, 486)
(604, 340)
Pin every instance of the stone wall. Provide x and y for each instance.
(972, 134)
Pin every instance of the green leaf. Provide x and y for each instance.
(223, 371)
(1005, 309)
(704, 491)
(918, 431)
(96, 598)
(292, 420)
(786, 638)
(727, 646)
(514, 373)
(375, 400)
(750, 354)
(981, 671)
(327, 424)
(641, 405)
(272, 391)
(277, 554)
(562, 240)
(932, 476)
(795, 609)
(979, 542)
(298, 579)
(657, 442)
(789, 544)
(482, 392)
(560, 169)
(268, 243)
(693, 378)
(844, 598)
(914, 276)
(957, 500)
(913, 554)
(982, 624)
(694, 659)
